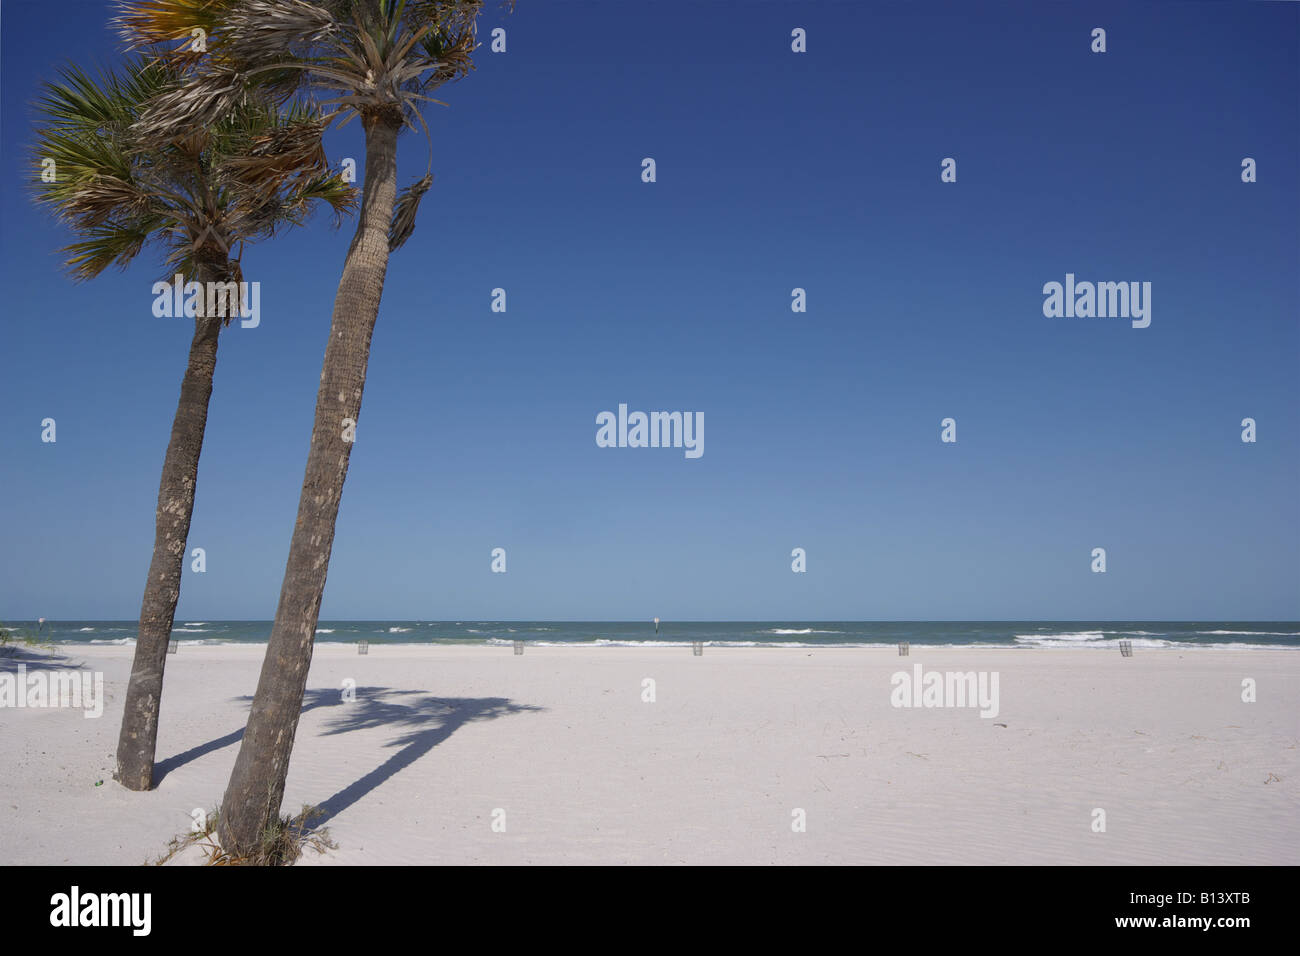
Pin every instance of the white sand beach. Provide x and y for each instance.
(711, 772)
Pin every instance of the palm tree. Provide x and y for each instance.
(378, 59)
(196, 196)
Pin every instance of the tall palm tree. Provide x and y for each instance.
(196, 195)
(379, 59)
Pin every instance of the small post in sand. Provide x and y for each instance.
(697, 648)
(904, 648)
(363, 647)
(1126, 648)
(519, 648)
(172, 646)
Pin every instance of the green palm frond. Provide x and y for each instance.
(79, 100)
(76, 157)
(341, 197)
(82, 163)
(107, 244)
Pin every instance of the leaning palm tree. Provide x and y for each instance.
(376, 60)
(196, 196)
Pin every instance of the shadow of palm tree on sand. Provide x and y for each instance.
(428, 721)
(425, 719)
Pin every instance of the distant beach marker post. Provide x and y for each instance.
(363, 647)
(656, 625)
(519, 648)
(697, 648)
(172, 646)
(1126, 648)
(904, 648)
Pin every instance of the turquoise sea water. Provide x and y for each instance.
(1025, 634)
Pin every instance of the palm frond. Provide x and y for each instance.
(104, 245)
(269, 30)
(201, 102)
(408, 204)
(330, 189)
(158, 23)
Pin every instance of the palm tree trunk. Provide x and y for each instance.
(139, 736)
(252, 800)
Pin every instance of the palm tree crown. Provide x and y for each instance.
(377, 59)
(195, 195)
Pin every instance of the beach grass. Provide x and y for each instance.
(281, 844)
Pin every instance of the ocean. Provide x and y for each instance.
(1024, 634)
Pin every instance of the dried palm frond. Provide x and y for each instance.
(268, 30)
(93, 202)
(408, 203)
(279, 155)
(203, 101)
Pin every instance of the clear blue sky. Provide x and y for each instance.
(775, 170)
